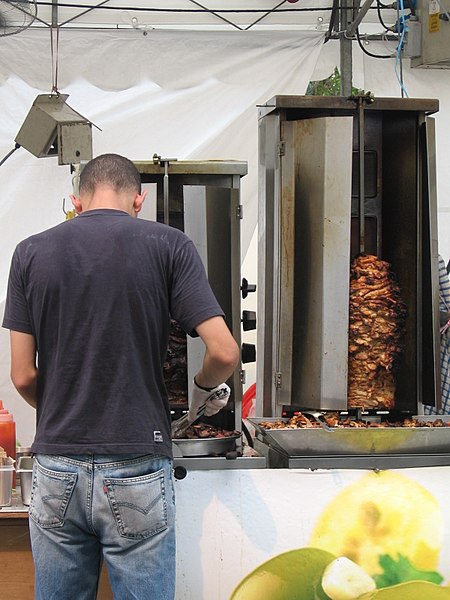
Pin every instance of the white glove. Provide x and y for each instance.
(208, 402)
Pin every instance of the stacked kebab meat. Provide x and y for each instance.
(175, 367)
(377, 318)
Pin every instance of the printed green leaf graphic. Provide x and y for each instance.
(401, 570)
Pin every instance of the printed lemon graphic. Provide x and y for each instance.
(382, 513)
(292, 575)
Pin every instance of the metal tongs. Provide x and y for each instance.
(319, 418)
(180, 426)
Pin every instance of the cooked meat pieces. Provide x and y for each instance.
(175, 367)
(299, 421)
(204, 430)
(376, 325)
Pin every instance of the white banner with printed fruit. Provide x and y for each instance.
(294, 534)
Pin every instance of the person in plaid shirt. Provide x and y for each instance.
(444, 312)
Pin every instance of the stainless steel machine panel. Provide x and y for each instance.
(314, 226)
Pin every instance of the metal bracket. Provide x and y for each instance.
(277, 380)
(367, 98)
(239, 211)
(164, 162)
(281, 148)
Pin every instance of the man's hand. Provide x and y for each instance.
(208, 402)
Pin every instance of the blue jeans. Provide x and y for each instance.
(90, 508)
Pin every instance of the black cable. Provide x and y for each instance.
(370, 53)
(412, 8)
(5, 158)
(334, 13)
(379, 7)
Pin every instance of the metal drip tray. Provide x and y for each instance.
(205, 446)
(354, 441)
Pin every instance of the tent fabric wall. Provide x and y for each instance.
(189, 95)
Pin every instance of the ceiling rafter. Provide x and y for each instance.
(85, 8)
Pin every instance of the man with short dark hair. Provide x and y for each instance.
(89, 305)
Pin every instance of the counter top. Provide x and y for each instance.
(16, 510)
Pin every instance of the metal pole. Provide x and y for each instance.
(166, 192)
(165, 163)
(361, 156)
(351, 31)
(345, 48)
(54, 13)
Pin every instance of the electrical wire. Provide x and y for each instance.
(5, 158)
(334, 14)
(383, 24)
(358, 37)
(402, 25)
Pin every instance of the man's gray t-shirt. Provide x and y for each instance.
(96, 292)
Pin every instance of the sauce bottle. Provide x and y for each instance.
(8, 436)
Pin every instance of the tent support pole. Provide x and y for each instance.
(345, 47)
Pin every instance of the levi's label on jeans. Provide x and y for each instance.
(138, 504)
(50, 496)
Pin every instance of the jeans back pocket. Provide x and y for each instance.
(138, 504)
(50, 496)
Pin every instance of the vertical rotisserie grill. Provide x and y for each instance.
(343, 179)
(202, 198)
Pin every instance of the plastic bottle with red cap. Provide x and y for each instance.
(8, 434)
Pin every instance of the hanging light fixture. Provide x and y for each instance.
(52, 128)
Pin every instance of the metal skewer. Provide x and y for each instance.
(165, 162)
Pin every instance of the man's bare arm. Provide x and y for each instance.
(222, 353)
(23, 365)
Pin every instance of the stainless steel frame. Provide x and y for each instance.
(203, 199)
(306, 213)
